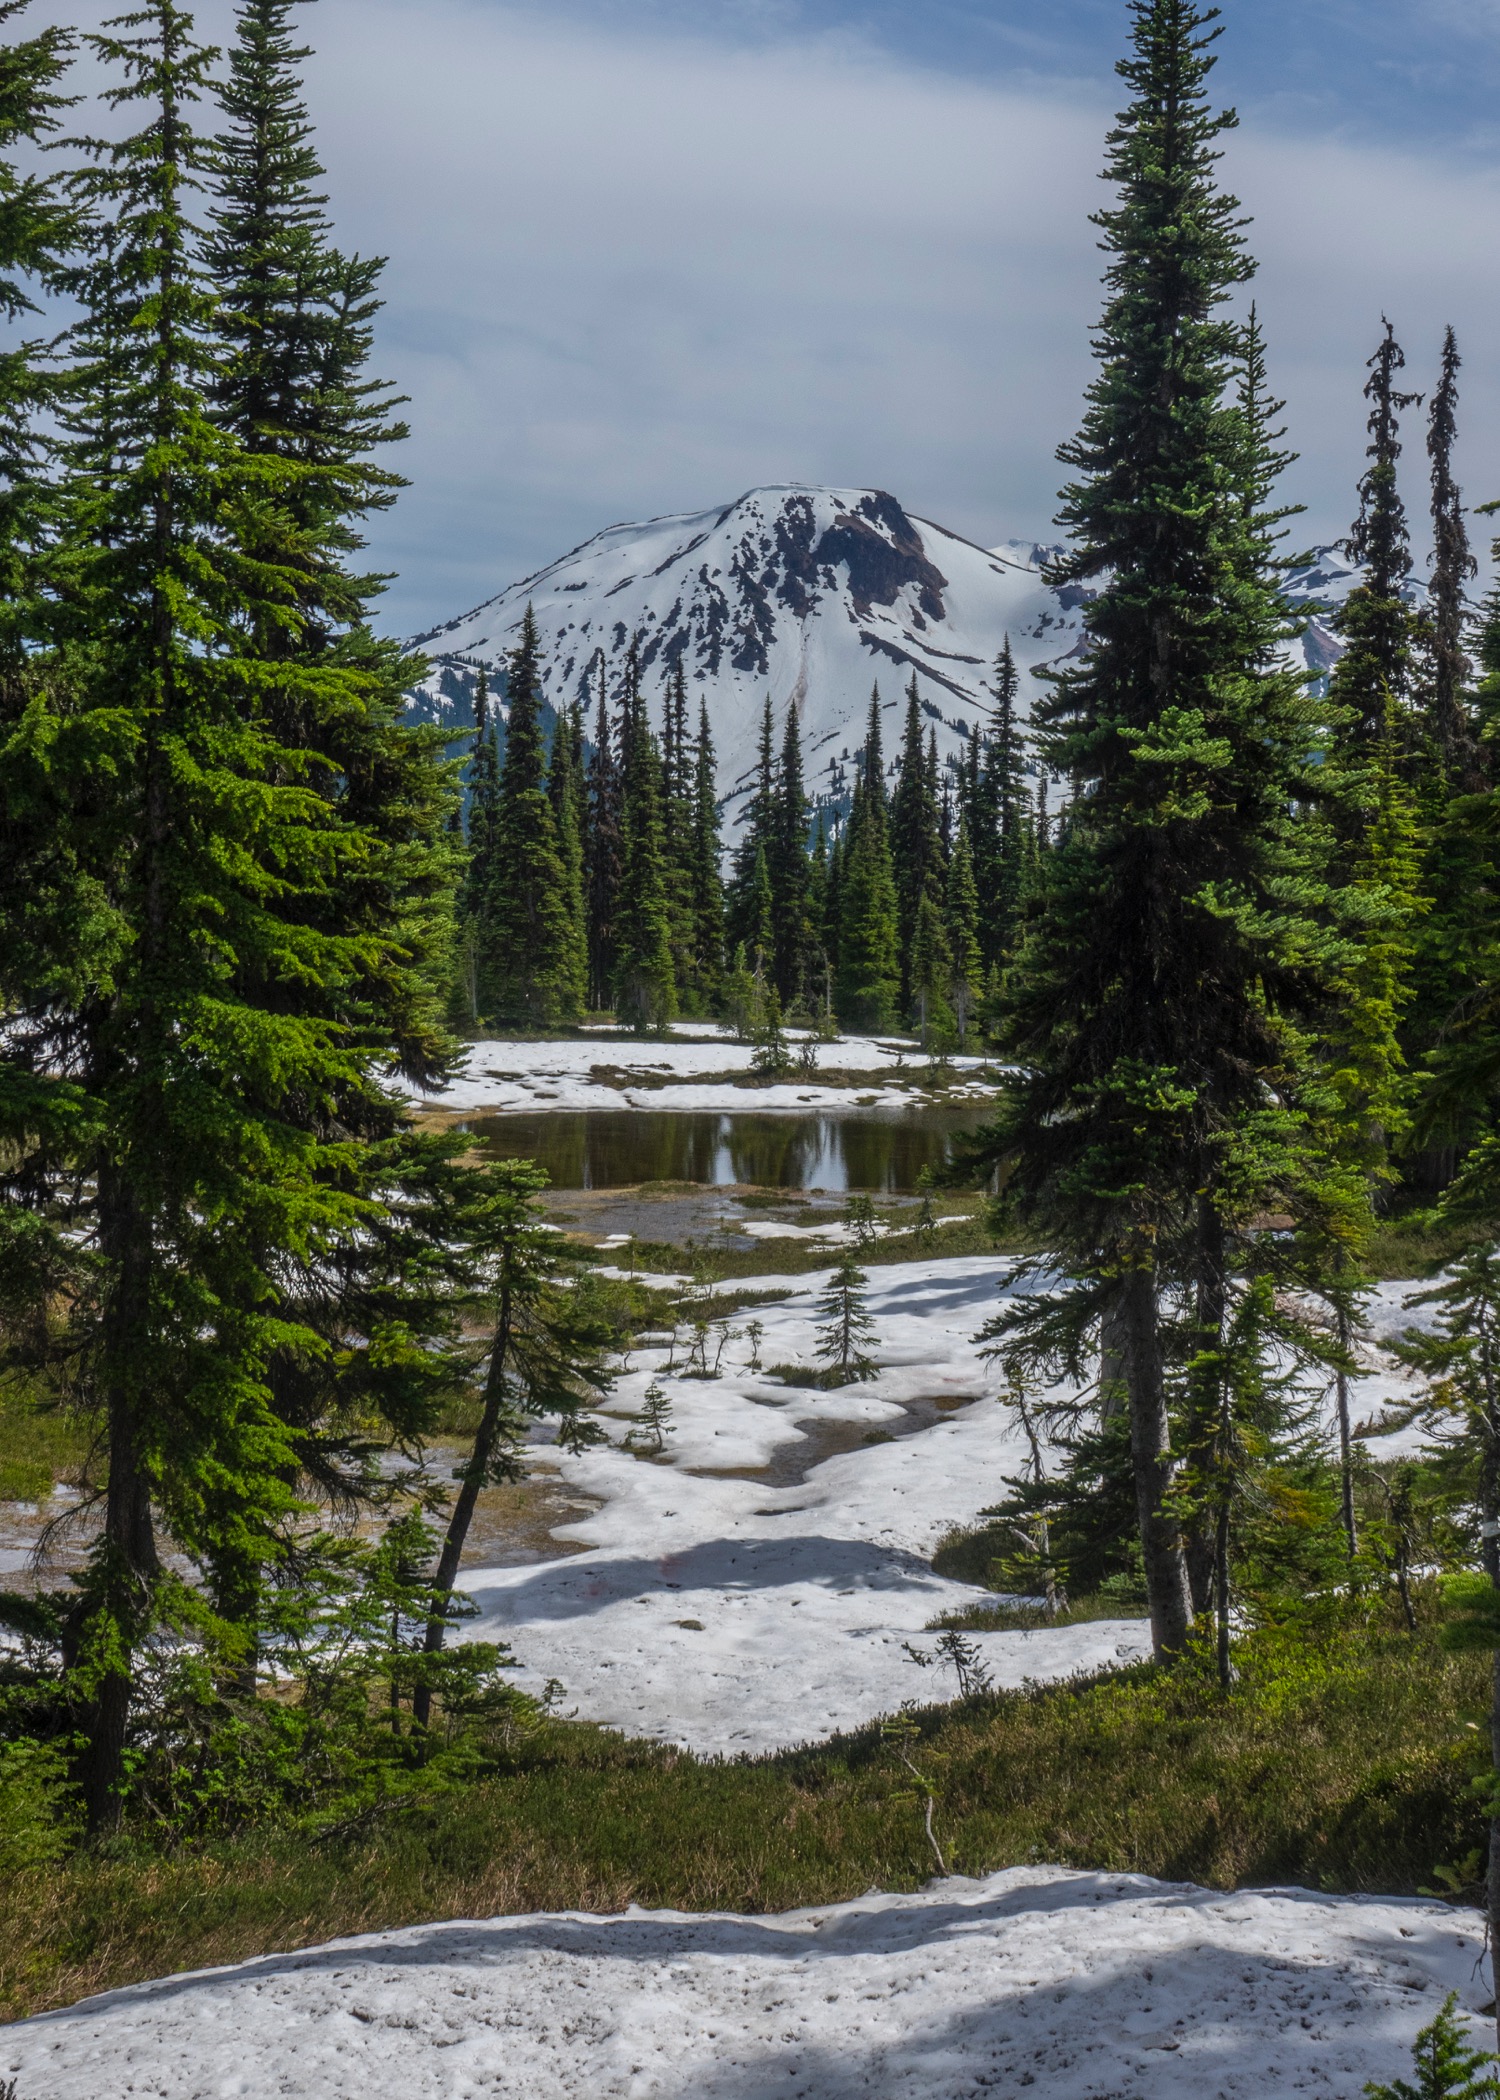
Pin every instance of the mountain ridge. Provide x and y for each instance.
(804, 594)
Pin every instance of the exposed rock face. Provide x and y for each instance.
(808, 595)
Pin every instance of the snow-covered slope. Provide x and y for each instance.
(1057, 1985)
(803, 594)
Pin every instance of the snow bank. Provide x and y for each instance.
(732, 1615)
(1062, 1986)
(500, 1078)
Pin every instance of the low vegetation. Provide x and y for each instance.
(1343, 1763)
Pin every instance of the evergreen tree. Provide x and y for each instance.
(39, 229)
(677, 837)
(602, 861)
(1447, 2068)
(707, 884)
(1373, 678)
(816, 976)
(294, 327)
(999, 817)
(1453, 566)
(843, 1338)
(1157, 1001)
(527, 931)
(787, 865)
(961, 926)
(833, 906)
(916, 849)
(479, 878)
(544, 1359)
(227, 1034)
(930, 973)
(757, 837)
(869, 979)
(645, 979)
(759, 909)
(565, 795)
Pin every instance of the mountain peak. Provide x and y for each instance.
(806, 595)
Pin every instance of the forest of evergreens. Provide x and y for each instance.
(1234, 931)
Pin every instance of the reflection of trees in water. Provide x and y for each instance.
(618, 1148)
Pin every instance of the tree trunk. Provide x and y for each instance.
(1489, 1511)
(1346, 1440)
(475, 1473)
(1114, 1351)
(1167, 1591)
(120, 1609)
(1221, 1592)
(1205, 1433)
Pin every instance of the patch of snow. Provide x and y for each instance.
(500, 1078)
(803, 1597)
(1060, 1985)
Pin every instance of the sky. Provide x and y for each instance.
(647, 254)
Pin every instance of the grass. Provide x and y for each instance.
(981, 1617)
(1344, 1767)
(40, 1443)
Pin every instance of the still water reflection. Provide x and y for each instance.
(618, 1148)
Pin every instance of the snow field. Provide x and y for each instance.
(1058, 1985)
(734, 1616)
(501, 1078)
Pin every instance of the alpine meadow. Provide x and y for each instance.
(777, 1264)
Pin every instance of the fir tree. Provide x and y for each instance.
(787, 866)
(745, 919)
(528, 933)
(930, 973)
(1453, 566)
(961, 927)
(602, 859)
(544, 1358)
(916, 848)
(1447, 2068)
(1156, 1002)
(38, 230)
(228, 1031)
(479, 878)
(565, 794)
(645, 979)
(707, 883)
(869, 982)
(1372, 682)
(677, 837)
(843, 1338)
(1000, 817)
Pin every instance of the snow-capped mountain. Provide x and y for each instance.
(807, 595)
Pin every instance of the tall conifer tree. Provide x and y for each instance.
(602, 859)
(707, 881)
(1453, 568)
(916, 849)
(528, 929)
(1372, 683)
(565, 794)
(1149, 1001)
(788, 866)
(645, 977)
(231, 1037)
(869, 975)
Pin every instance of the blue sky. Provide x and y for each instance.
(647, 254)
(1423, 72)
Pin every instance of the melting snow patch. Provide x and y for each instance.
(1058, 1985)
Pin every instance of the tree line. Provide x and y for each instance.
(595, 872)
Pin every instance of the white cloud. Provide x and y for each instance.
(633, 273)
